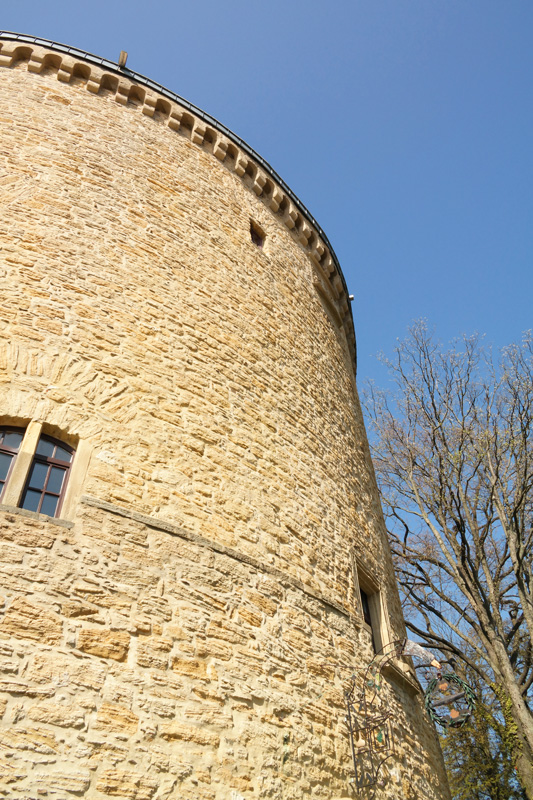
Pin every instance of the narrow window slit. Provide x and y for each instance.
(257, 235)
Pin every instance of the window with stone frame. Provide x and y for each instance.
(257, 234)
(370, 601)
(47, 478)
(35, 469)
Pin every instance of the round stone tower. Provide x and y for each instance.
(189, 517)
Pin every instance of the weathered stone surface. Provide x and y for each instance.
(40, 744)
(190, 666)
(25, 532)
(61, 670)
(112, 717)
(22, 687)
(53, 782)
(64, 715)
(153, 652)
(126, 783)
(104, 643)
(189, 734)
(25, 620)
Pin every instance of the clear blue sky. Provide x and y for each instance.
(405, 126)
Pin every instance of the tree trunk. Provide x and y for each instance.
(518, 717)
(524, 770)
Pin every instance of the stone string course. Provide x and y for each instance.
(188, 632)
(161, 670)
(230, 552)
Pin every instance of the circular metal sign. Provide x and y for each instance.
(449, 701)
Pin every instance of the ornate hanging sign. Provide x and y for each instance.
(448, 700)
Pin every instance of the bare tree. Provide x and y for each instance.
(453, 452)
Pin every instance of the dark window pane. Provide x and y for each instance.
(31, 500)
(49, 505)
(366, 608)
(38, 475)
(62, 454)
(45, 448)
(5, 461)
(55, 480)
(12, 439)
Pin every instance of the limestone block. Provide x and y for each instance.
(126, 784)
(214, 648)
(11, 555)
(104, 643)
(29, 533)
(67, 715)
(153, 652)
(35, 62)
(24, 620)
(176, 730)
(250, 616)
(39, 742)
(265, 604)
(190, 666)
(53, 782)
(148, 107)
(291, 216)
(220, 148)
(259, 183)
(223, 628)
(74, 609)
(113, 717)
(8, 666)
(174, 121)
(25, 688)
(198, 132)
(240, 164)
(275, 199)
(61, 670)
(305, 233)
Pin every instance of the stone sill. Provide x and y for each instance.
(22, 512)
(403, 674)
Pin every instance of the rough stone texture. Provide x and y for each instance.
(191, 635)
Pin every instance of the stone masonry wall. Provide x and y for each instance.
(189, 631)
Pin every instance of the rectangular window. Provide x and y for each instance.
(371, 611)
(256, 234)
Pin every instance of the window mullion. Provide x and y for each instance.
(45, 483)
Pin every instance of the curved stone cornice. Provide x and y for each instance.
(157, 102)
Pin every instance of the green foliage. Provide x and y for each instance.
(509, 734)
(480, 756)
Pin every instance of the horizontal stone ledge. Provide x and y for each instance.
(22, 512)
(201, 541)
